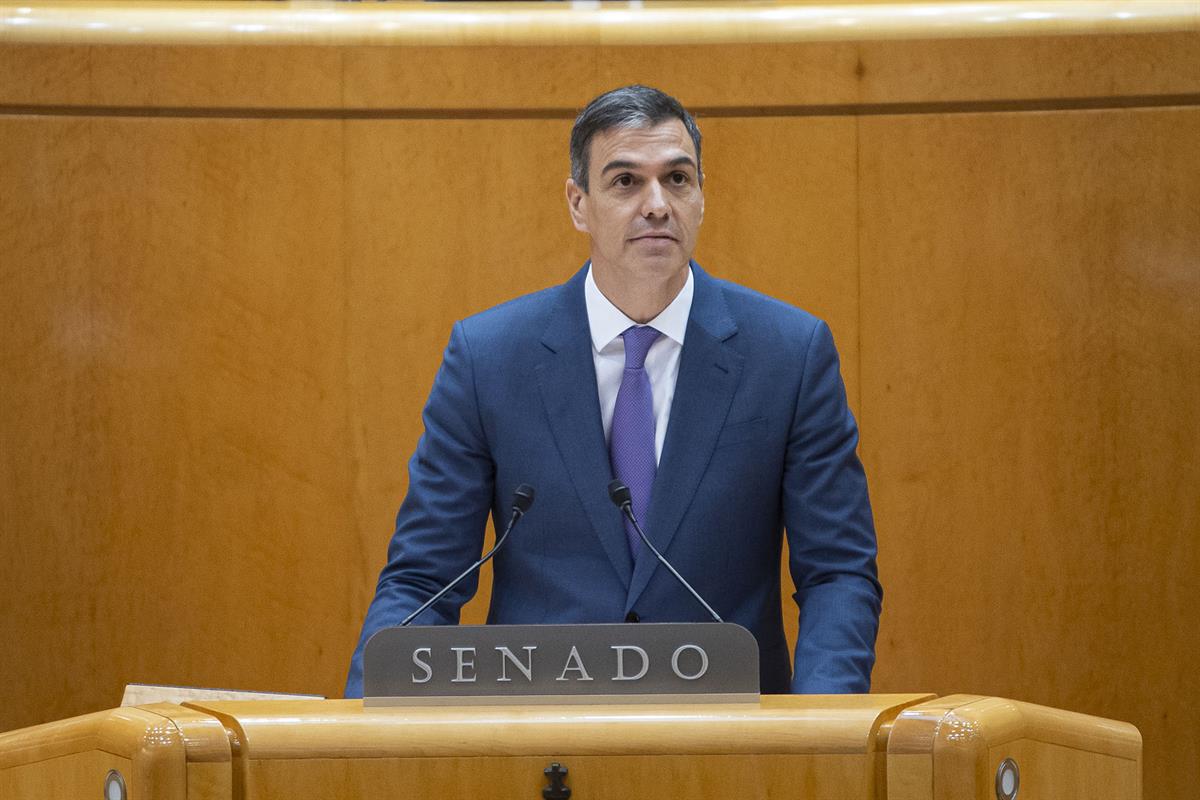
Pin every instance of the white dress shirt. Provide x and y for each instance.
(607, 323)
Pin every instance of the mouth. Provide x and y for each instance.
(654, 237)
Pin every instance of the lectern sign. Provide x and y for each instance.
(560, 663)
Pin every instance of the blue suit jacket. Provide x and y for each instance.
(760, 439)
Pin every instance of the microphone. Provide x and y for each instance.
(522, 500)
(621, 498)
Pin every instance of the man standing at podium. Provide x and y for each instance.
(722, 410)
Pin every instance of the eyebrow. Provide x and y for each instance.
(674, 162)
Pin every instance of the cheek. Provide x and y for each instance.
(615, 224)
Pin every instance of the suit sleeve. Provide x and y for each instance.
(440, 525)
(831, 536)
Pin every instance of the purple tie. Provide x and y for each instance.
(631, 446)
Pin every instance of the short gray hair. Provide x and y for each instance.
(628, 107)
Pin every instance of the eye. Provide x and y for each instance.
(680, 178)
(624, 180)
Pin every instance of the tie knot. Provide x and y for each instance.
(637, 343)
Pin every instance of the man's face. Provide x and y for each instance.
(644, 203)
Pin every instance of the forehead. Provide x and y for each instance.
(652, 144)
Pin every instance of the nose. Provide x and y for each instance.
(654, 201)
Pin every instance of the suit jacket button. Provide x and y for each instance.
(632, 616)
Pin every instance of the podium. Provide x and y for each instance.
(852, 747)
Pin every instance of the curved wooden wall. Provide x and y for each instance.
(231, 253)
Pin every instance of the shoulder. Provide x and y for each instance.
(516, 314)
(747, 300)
(514, 329)
(768, 321)
(783, 346)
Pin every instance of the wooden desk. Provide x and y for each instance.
(903, 747)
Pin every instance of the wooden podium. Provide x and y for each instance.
(894, 746)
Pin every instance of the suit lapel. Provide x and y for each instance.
(709, 372)
(567, 381)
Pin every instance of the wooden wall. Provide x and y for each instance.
(227, 272)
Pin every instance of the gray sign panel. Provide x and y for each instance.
(560, 663)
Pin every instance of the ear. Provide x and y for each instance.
(577, 205)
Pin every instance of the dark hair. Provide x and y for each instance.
(628, 107)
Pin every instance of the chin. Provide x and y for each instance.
(663, 265)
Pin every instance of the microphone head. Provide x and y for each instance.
(522, 498)
(619, 494)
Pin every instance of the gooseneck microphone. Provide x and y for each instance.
(522, 500)
(619, 494)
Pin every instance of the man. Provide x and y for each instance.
(723, 410)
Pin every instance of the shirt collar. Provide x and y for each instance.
(607, 322)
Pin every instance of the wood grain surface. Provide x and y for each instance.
(1030, 350)
(952, 747)
(227, 273)
(858, 747)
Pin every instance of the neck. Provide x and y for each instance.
(640, 297)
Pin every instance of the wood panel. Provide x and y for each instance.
(952, 747)
(175, 422)
(823, 746)
(549, 78)
(713, 777)
(980, 70)
(266, 749)
(227, 274)
(62, 777)
(907, 747)
(1030, 330)
(71, 757)
(1054, 772)
(345, 729)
